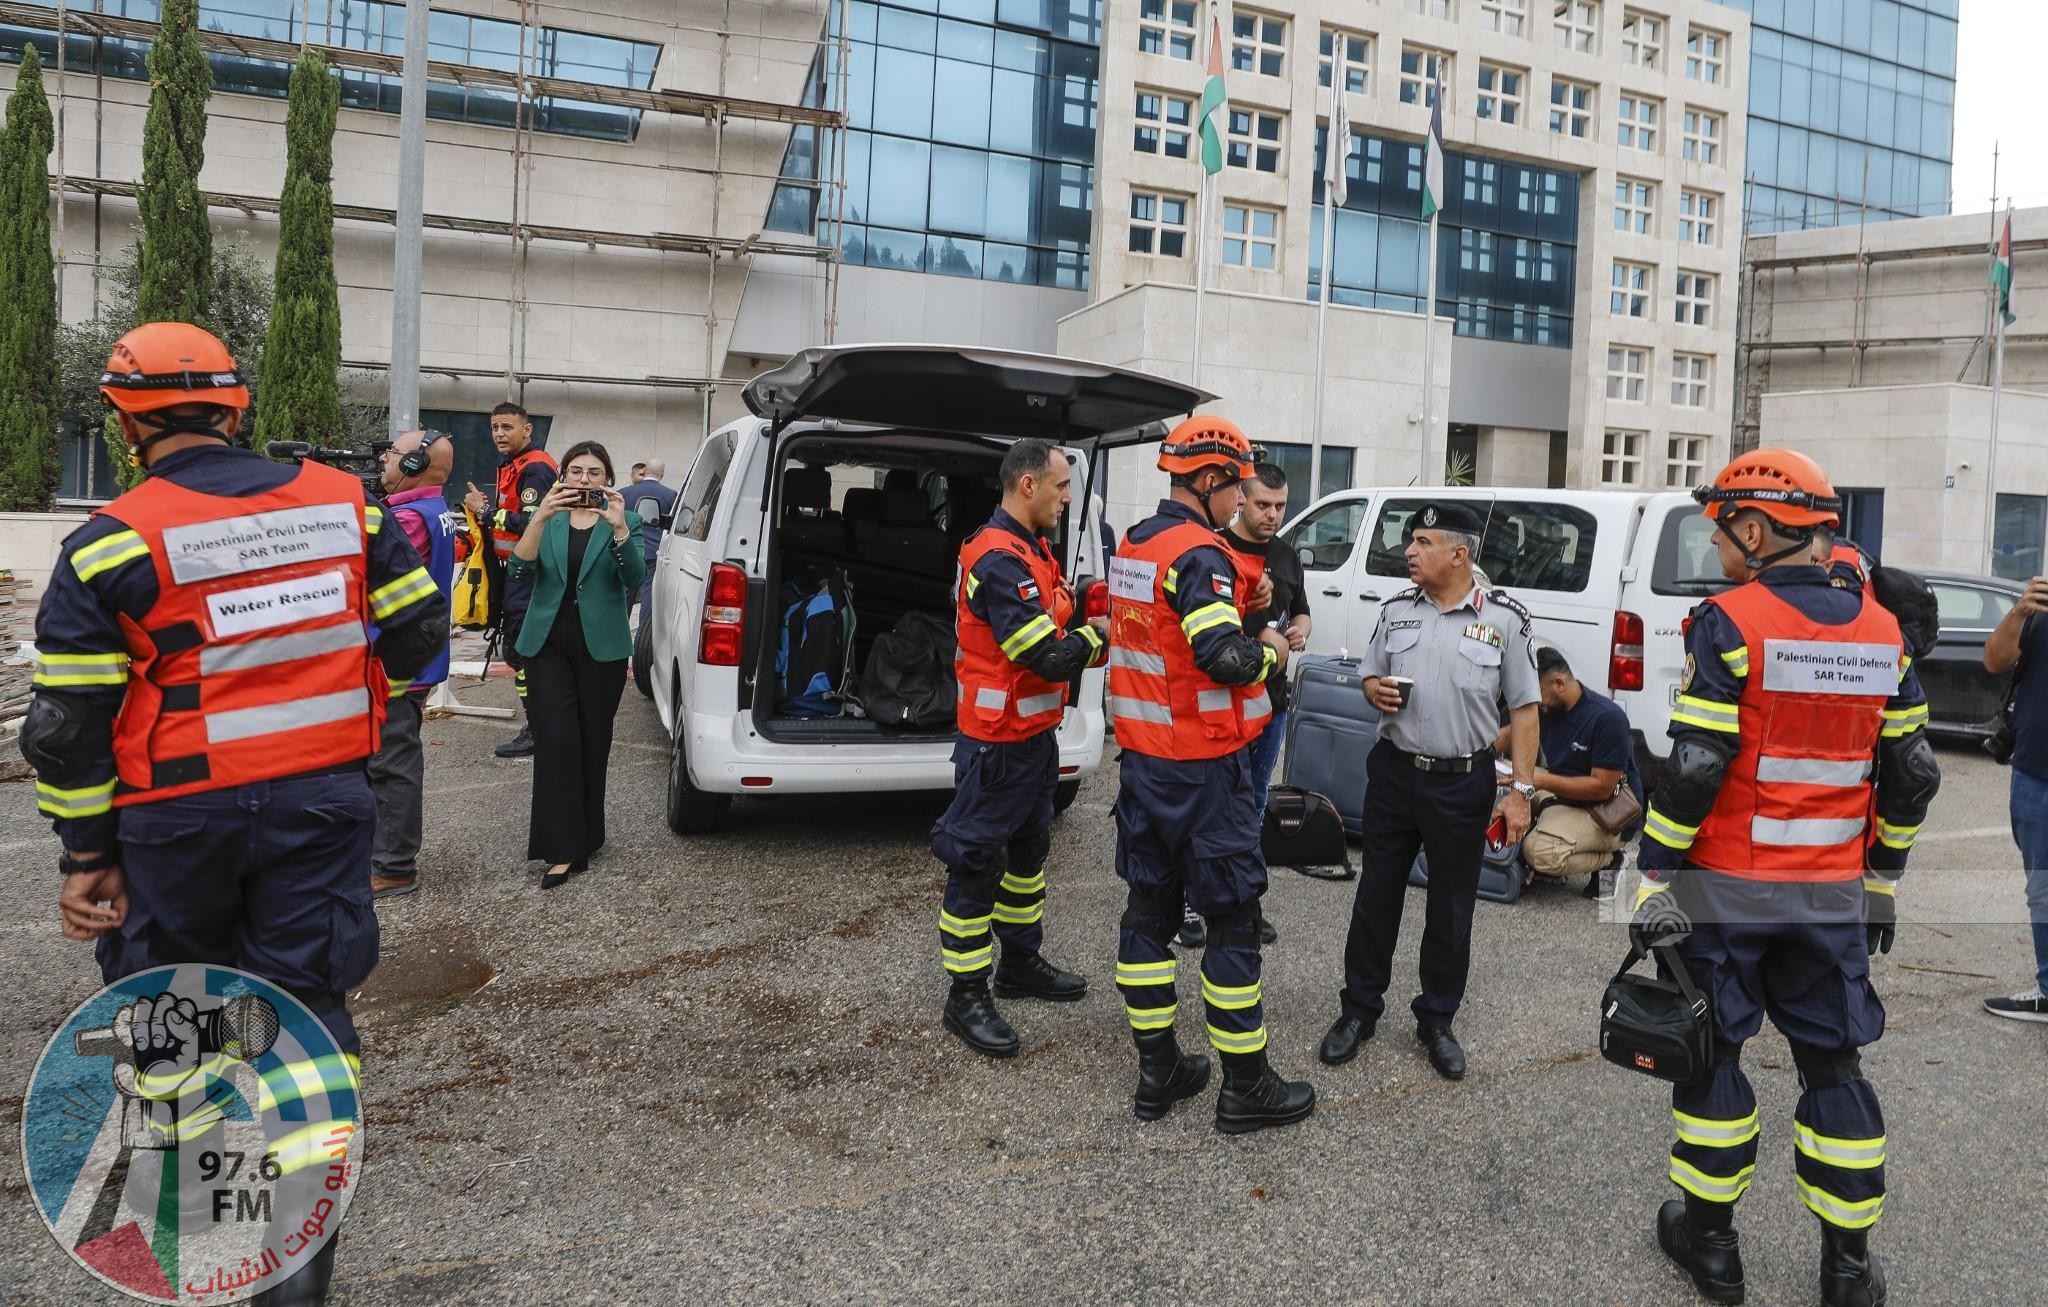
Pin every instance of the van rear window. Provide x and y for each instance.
(1537, 545)
(1687, 562)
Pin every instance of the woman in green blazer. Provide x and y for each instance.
(587, 565)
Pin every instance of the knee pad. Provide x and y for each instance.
(1826, 1068)
(1029, 852)
(1239, 928)
(1155, 919)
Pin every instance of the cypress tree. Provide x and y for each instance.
(302, 354)
(29, 389)
(177, 243)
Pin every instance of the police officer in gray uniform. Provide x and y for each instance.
(1462, 652)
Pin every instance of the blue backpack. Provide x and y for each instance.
(814, 660)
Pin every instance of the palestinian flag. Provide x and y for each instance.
(1212, 102)
(1433, 152)
(2001, 273)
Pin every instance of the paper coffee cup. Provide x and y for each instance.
(1403, 685)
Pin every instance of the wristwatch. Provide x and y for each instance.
(1525, 789)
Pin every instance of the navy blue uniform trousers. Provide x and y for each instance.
(995, 838)
(271, 878)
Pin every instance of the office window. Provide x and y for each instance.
(1685, 463)
(1251, 237)
(1638, 127)
(1159, 224)
(1319, 530)
(2018, 522)
(1578, 24)
(1353, 52)
(1253, 141)
(1434, 9)
(1702, 136)
(1697, 214)
(1629, 289)
(1258, 43)
(1689, 376)
(1421, 68)
(1628, 370)
(1167, 27)
(1705, 56)
(1163, 122)
(1508, 17)
(1500, 93)
(1571, 108)
(1482, 181)
(1695, 299)
(1635, 206)
(1621, 458)
(1642, 39)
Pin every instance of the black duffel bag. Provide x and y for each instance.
(1304, 830)
(1657, 1026)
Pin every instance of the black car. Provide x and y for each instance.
(1962, 698)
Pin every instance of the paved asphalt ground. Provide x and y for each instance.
(712, 1070)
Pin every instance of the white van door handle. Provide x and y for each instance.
(1370, 595)
(1334, 593)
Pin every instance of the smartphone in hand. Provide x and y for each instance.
(1497, 830)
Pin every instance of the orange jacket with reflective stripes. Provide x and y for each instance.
(1163, 703)
(1003, 701)
(255, 662)
(1795, 801)
(503, 540)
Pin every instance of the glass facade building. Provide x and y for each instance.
(970, 141)
(1506, 243)
(1851, 109)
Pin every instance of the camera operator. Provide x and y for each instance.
(2015, 646)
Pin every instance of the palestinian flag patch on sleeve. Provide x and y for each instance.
(1028, 591)
(1226, 587)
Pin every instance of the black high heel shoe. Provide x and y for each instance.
(555, 879)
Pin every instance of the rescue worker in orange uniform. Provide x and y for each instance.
(1797, 735)
(207, 694)
(1017, 657)
(525, 475)
(1187, 691)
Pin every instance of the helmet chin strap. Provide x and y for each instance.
(1203, 495)
(166, 427)
(1756, 564)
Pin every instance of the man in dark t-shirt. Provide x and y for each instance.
(1587, 752)
(2016, 645)
(1256, 531)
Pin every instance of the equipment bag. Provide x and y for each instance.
(814, 659)
(472, 598)
(909, 679)
(1303, 830)
(1501, 872)
(1330, 730)
(1908, 597)
(1657, 1026)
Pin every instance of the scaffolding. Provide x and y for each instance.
(715, 108)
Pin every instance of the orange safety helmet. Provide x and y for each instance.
(1206, 441)
(160, 365)
(1782, 484)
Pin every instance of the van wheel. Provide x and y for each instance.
(691, 811)
(643, 654)
(1064, 794)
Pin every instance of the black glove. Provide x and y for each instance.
(1658, 919)
(1880, 921)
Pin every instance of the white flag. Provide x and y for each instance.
(1337, 150)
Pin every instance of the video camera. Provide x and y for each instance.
(365, 464)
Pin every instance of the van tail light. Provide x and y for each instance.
(1625, 660)
(725, 617)
(1095, 599)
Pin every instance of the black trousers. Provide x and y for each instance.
(571, 703)
(1407, 810)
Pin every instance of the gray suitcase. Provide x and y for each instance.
(1330, 729)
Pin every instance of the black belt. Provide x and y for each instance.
(1458, 763)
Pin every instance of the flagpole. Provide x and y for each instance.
(1201, 272)
(1997, 384)
(1427, 476)
(1211, 132)
(1336, 158)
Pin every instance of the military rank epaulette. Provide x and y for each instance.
(1412, 592)
(1512, 604)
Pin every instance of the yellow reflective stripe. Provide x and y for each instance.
(1648, 888)
(1014, 916)
(85, 801)
(973, 584)
(1709, 1133)
(55, 669)
(1237, 1041)
(1896, 837)
(1713, 1188)
(308, 1078)
(373, 517)
(970, 959)
(322, 1143)
(1904, 721)
(964, 927)
(1092, 636)
(1840, 1211)
(1849, 1154)
(105, 555)
(1707, 714)
(1172, 584)
(1737, 660)
(1231, 998)
(1149, 1018)
(1023, 885)
(1207, 616)
(1905, 665)
(498, 519)
(1027, 635)
(1879, 885)
(398, 686)
(1668, 832)
(1146, 973)
(1272, 659)
(409, 589)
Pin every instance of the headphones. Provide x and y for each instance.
(415, 461)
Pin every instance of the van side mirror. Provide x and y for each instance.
(1306, 555)
(679, 520)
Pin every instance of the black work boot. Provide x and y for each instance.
(308, 1286)
(1700, 1237)
(1028, 975)
(1850, 1274)
(1165, 1074)
(971, 1014)
(1254, 1096)
(519, 746)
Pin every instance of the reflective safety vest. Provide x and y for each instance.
(255, 661)
(1162, 703)
(1796, 798)
(1002, 700)
(503, 540)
